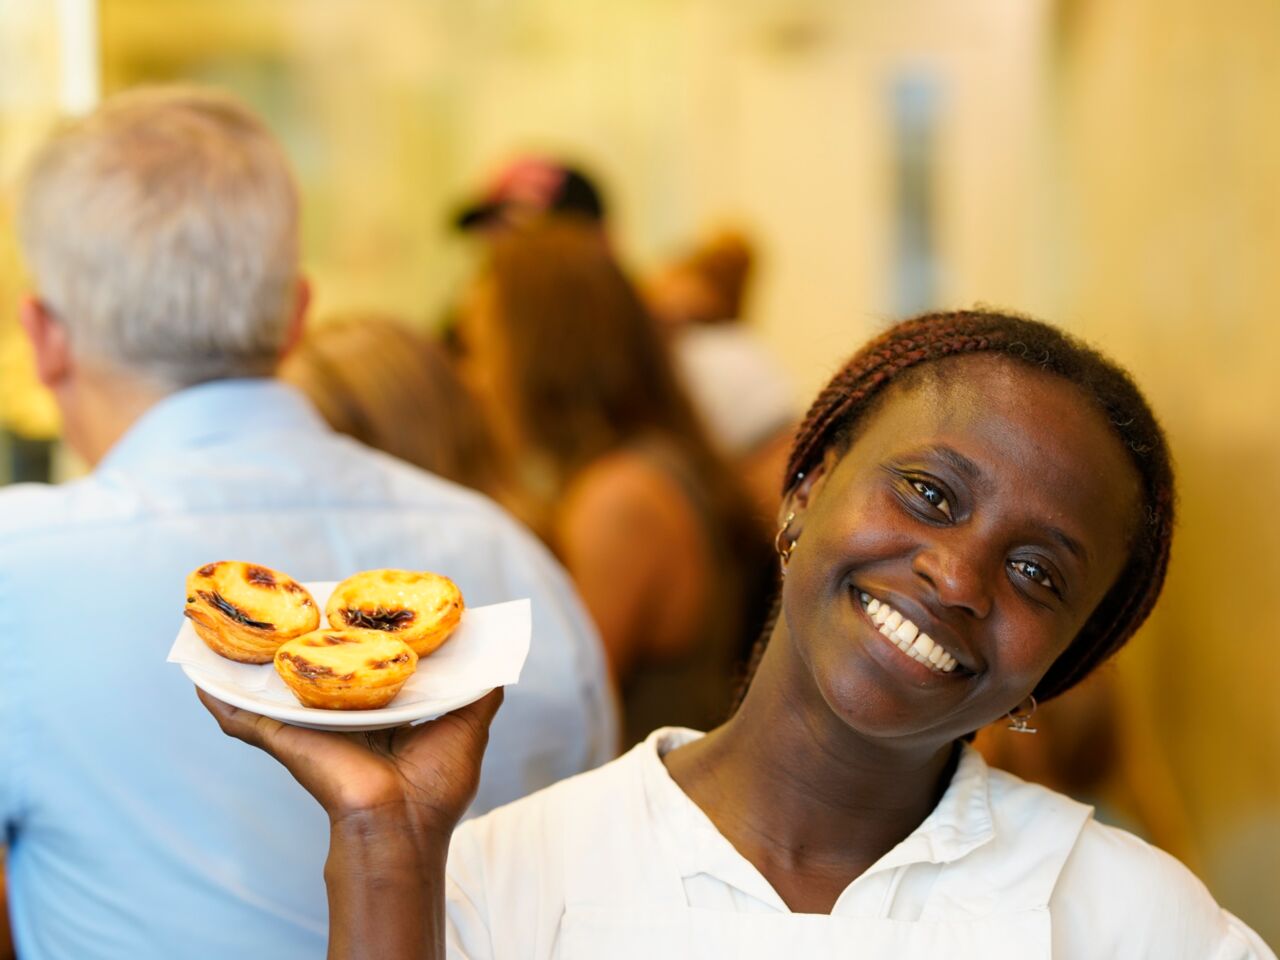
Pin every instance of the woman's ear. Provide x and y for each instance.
(803, 493)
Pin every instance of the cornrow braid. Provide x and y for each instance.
(851, 395)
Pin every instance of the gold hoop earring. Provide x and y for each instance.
(784, 552)
(1020, 717)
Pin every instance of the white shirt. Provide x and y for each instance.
(136, 829)
(620, 863)
(737, 387)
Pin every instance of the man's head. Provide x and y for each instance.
(161, 232)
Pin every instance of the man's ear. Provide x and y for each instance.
(49, 341)
(298, 316)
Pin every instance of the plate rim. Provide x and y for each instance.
(351, 721)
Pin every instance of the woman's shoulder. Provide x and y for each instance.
(1022, 810)
(547, 824)
(1120, 896)
(580, 794)
(1117, 895)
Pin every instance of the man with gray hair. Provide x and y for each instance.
(161, 235)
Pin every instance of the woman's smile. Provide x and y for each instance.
(903, 634)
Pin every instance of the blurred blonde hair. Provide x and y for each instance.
(373, 378)
(724, 263)
(162, 231)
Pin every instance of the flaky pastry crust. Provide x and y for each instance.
(244, 611)
(422, 609)
(345, 669)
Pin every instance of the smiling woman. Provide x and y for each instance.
(977, 511)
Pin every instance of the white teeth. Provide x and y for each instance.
(906, 636)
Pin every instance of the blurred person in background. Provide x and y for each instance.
(162, 237)
(392, 388)
(528, 187)
(615, 470)
(738, 389)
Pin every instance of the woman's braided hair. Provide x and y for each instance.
(851, 394)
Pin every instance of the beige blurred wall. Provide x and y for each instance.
(1110, 166)
(1170, 226)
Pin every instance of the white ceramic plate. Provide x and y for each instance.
(487, 650)
(350, 721)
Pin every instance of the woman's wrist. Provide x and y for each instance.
(393, 836)
(386, 878)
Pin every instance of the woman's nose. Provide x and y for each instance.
(956, 573)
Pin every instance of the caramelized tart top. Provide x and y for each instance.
(253, 597)
(346, 655)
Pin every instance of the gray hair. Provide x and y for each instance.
(162, 231)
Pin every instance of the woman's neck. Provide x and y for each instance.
(808, 801)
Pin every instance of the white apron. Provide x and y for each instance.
(649, 918)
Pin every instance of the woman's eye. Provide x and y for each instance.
(932, 496)
(1034, 572)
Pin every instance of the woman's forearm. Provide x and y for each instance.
(386, 885)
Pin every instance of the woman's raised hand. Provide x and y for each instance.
(426, 774)
(393, 798)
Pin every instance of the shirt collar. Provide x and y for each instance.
(212, 413)
(959, 824)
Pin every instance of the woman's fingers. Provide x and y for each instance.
(339, 772)
(435, 765)
(252, 728)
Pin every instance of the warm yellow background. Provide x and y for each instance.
(1109, 165)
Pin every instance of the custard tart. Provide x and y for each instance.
(422, 609)
(244, 611)
(345, 669)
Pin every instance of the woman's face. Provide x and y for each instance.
(989, 508)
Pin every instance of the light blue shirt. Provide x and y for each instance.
(135, 828)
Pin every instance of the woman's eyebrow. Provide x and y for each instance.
(958, 462)
(1075, 547)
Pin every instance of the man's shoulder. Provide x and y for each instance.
(35, 509)
(324, 473)
(411, 489)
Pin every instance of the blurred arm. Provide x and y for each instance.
(634, 547)
(6, 934)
